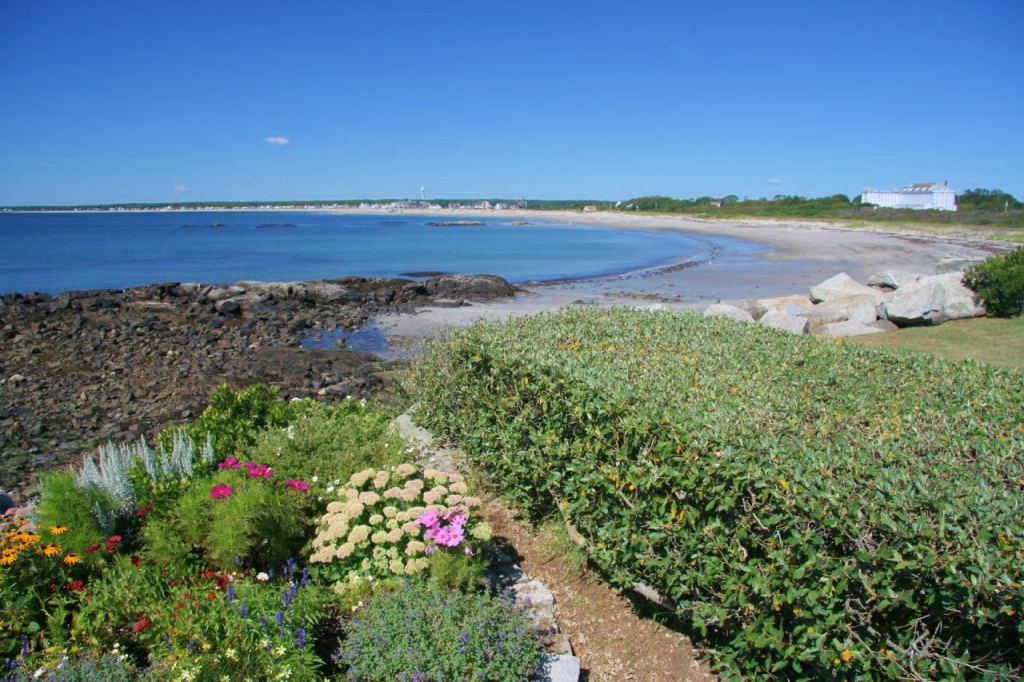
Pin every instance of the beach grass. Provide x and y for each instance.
(996, 341)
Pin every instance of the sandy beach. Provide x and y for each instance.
(749, 258)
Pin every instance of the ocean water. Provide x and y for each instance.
(54, 252)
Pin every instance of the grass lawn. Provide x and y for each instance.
(996, 341)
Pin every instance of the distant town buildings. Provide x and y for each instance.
(921, 195)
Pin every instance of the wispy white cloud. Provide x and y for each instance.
(773, 181)
(180, 188)
(278, 140)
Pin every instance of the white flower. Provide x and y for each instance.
(315, 479)
(262, 577)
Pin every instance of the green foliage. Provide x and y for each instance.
(816, 510)
(204, 624)
(423, 632)
(88, 512)
(999, 283)
(234, 419)
(329, 442)
(458, 570)
(988, 200)
(259, 522)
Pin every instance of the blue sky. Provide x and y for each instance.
(104, 102)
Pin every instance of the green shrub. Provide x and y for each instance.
(999, 283)
(423, 632)
(254, 520)
(89, 513)
(235, 418)
(814, 509)
(330, 442)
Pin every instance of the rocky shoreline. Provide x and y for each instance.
(80, 368)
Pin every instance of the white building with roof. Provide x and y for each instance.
(920, 195)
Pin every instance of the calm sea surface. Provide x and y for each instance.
(54, 252)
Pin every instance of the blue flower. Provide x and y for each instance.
(301, 635)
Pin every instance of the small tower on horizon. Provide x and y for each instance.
(423, 194)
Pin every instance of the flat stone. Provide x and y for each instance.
(798, 301)
(839, 286)
(859, 308)
(729, 311)
(780, 320)
(559, 668)
(533, 593)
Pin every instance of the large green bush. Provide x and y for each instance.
(814, 509)
(999, 283)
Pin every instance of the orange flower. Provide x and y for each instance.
(8, 559)
(51, 549)
(847, 656)
(58, 530)
(72, 558)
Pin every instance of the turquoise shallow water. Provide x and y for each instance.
(54, 252)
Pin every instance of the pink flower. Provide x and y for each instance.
(296, 485)
(260, 471)
(428, 518)
(229, 463)
(221, 490)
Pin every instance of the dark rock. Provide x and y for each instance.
(228, 307)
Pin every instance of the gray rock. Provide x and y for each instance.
(795, 301)
(848, 328)
(960, 303)
(893, 279)
(859, 308)
(222, 293)
(533, 593)
(823, 314)
(753, 306)
(780, 320)
(730, 311)
(955, 264)
(559, 668)
(914, 305)
(884, 325)
(840, 286)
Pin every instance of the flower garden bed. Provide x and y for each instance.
(269, 540)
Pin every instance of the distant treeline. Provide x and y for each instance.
(976, 207)
(992, 207)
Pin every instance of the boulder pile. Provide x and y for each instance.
(841, 306)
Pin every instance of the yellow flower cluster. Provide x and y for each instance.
(18, 538)
(374, 521)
